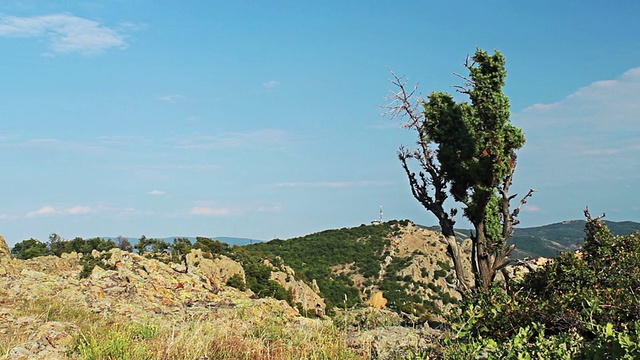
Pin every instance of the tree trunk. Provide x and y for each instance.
(485, 270)
(463, 273)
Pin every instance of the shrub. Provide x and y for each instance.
(584, 302)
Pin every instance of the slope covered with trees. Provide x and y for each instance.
(313, 257)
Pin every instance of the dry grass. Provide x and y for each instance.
(237, 334)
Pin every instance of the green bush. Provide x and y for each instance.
(237, 282)
(585, 303)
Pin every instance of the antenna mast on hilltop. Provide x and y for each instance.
(378, 222)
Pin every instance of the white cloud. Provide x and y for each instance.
(591, 134)
(77, 210)
(265, 138)
(208, 208)
(272, 84)
(64, 33)
(212, 211)
(531, 208)
(334, 184)
(172, 98)
(49, 210)
(604, 105)
(157, 192)
(43, 211)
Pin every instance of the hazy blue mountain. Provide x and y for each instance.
(226, 239)
(548, 240)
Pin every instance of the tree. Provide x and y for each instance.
(466, 151)
(124, 244)
(142, 244)
(57, 244)
(28, 249)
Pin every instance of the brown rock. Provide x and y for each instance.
(5, 252)
(217, 271)
(5, 257)
(378, 301)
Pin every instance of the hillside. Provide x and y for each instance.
(225, 239)
(134, 306)
(407, 263)
(549, 240)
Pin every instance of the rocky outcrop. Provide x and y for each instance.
(51, 340)
(377, 300)
(216, 271)
(5, 257)
(302, 293)
(139, 289)
(5, 252)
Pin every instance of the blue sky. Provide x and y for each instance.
(262, 119)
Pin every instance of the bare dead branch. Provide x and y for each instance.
(402, 103)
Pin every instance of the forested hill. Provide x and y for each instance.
(405, 261)
(549, 240)
(315, 256)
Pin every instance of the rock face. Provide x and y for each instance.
(428, 267)
(302, 294)
(377, 300)
(138, 289)
(216, 271)
(5, 257)
(5, 252)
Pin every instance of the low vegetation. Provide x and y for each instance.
(314, 256)
(582, 305)
(102, 337)
(257, 273)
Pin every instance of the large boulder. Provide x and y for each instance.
(216, 270)
(5, 257)
(5, 252)
(302, 293)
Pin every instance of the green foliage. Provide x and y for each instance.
(467, 150)
(476, 141)
(258, 275)
(313, 256)
(29, 249)
(585, 305)
(89, 262)
(237, 282)
(122, 342)
(212, 246)
(141, 245)
(57, 246)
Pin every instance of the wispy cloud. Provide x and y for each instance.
(260, 139)
(49, 210)
(334, 184)
(272, 84)
(531, 208)
(157, 192)
(52, 144)
(172, 98)
(212, 211)
(592, 133)
(43, 211)
(79, 209)
(64, 33)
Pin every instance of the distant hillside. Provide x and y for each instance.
(405, 262)
(225, 239)
(549, 240)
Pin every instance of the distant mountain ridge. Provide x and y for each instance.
(549, 240)
(538, 241)
(169, 239)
